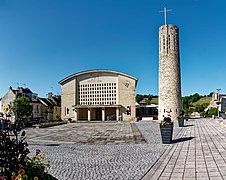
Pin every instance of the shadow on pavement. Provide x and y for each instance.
(182, 139)
(188, 125)
(52, 144)
(36, 144)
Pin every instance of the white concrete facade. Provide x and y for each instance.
(98, 95)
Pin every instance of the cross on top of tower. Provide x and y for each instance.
(165, 11)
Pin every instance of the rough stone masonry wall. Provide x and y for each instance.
(169, 72)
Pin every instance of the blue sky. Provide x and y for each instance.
(44, 41)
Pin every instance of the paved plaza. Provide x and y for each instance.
(199, 152)
(90, 133)
(132, 150)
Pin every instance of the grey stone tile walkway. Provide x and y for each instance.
(198, 152)
(121, 155)
(90, 133)
(133, 151)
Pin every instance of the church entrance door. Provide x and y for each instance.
(98, 114)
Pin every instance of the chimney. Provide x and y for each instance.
(50, 95)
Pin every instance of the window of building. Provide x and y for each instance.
(86, 94)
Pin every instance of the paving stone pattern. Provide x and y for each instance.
(99, 150)
(91, 133)
(199, 152)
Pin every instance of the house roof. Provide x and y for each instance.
(222, 96)
(46, 101)
(50, 102)
(57, 99)
(23, 90)
(20, 90)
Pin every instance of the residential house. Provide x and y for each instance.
(50, 107)
(219, 101)
(43, 108)
(12, 94)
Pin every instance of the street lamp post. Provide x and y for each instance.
(218, 99)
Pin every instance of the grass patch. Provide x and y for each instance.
(202, 101)
(154, 100)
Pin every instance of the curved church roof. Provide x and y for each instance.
(95, 71)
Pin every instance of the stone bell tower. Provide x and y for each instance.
(169, 71)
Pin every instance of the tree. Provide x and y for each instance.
(203, 114)
(195, 97)
(149, 97)
(201, 107)
(211, 94)
(139, 97)
(212, 111)
(22, 108)
(185, 101)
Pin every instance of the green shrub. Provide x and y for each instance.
(13, 150)
(14, 160)
(212, 111)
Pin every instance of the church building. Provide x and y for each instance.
(98, 95)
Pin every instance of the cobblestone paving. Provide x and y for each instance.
(99, 150)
